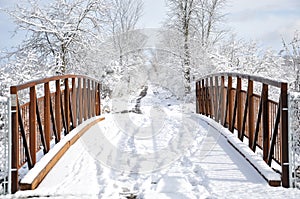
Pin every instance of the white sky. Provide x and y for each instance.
(263, 20)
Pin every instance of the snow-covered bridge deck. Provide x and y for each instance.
(205, 166)
(155, 147)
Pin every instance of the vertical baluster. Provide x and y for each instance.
(229, 102)
(57, 109)
(251, 121)
(67, 105)
(222, 99)
(217, 105)
(47, 123)
(84, 99)
(80, 100)
(74, 104)
(32, 124)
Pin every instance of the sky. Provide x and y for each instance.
(266, 21)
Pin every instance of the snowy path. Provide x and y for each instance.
(208, 168)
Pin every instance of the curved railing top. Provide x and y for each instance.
(29, 84)
(269, 81)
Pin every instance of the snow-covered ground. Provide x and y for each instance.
(166, 152)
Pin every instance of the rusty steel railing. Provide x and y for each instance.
(45, 110)
(264, 121)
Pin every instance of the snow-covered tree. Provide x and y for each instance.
(208, 21)
(123, 19)
(180, 14)
(23, 67)
(61, 32)
(197, 25)
(237, 55)
(291, 53)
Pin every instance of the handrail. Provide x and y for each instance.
(48, 79)
(253, 116)
(256, 78)
(41, 121)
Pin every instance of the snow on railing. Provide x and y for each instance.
(294, 138)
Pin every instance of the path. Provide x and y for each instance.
(214, 170)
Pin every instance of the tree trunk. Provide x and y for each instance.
(187, 68)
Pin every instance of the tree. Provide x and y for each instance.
(197, 22)
(27, 65)
(208, 18)
(180, 15)
(238, 55)
(61, 32)
(123, 19)
(291, 53)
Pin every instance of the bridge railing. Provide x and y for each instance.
(45, 110)
(243, 104)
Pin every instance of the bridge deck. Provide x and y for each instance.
(202, 164)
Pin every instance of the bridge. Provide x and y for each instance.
(45, 112)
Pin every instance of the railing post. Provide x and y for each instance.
(222, 113)
(236, 102)
(204, 97)
(251, 121)
(265, 116)
(80, 101)
(201, 91)
(89, 98)
(93, 94)
(98, 93)
(32, 124)
(212, 97)
(240, 103)
(208, 98)
(84, 99)
(92, 98)
(47, 117)
(197, 98)
(74, 102)
(230, 101)
(284, 135)
(216, 99)
(57, 109)
(67, 104)
(15, 140)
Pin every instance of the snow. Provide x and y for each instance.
(3, 99)
(39, 166)
(250, 156)
(183, 157)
